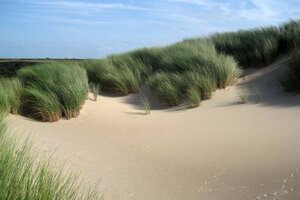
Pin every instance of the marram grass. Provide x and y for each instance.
(256, 47)
(95, 90)
(146, 105)
(53, 90)
(24, 177)
(41, 105)
(291, 81)
(289, 36)
(168, 87)
(213, 61)
(193, 97)
(10, 92)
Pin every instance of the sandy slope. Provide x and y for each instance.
(220, 151)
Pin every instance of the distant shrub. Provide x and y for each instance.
(291, 81)
(53, 90)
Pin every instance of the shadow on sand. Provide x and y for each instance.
(263, 86)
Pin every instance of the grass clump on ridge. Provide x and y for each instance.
(191, 71)
(152, 58)
(193, 97)
(24, 177)
(291, 82)
(289, 36)
(199, 56)
(167, 68)
(259, 47)
(168, 87)
(201, 83)
(255, 47)
(10, 90)
(176, 88)
(53, 90)
(119, 73)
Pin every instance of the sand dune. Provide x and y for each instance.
(222, 150)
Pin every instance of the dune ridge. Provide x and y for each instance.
(222, 150)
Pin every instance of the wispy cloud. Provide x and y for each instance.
(127, 24)
(207, 4)
(252, 10)
(263, 10)
(83, 5)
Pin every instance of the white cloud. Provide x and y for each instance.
(256, 11)
(83, 5)
(207, 4)
(263, 10)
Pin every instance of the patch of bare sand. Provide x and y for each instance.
(222, 150)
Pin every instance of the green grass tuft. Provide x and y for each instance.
(95, 89)
(291, 81)
(193, 97)
(244, 97)
(53, 90)
(168, 87)
(256, 47)
(10, 89)
(23, 176)
(289, 36)
(146, 105)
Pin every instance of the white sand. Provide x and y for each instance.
(220, 151)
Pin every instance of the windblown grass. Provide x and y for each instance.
(53, 90)
(204, 85)
(193, 97)
(10, 91)
(290, 36)
(257, 95)
(120, 73)
(259, 47)
(216, 58)
(152, 58)
(146, 105)
(24, 177)
(244, 97)
(42, 105)
(95, 89)
(167, 68)
(168, 87)
(291, 82)
(256, 47)
(192, 70)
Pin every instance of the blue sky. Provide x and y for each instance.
(95, 28)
